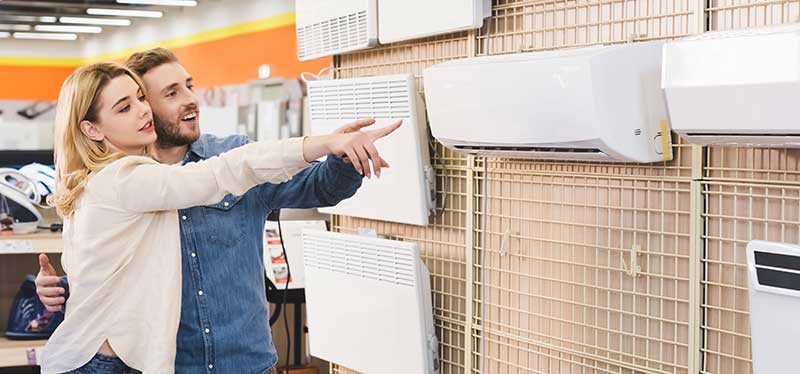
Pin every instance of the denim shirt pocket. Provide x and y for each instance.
(223, 211)
(226, 203)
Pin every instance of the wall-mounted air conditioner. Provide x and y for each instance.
(429, 17)
(735, 87)
(369, 304)
(404, 191)
(329, 27)
(774, 279)
(599, 103)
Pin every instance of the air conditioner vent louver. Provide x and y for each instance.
(350, 100)
(359, 259)
(528, 149)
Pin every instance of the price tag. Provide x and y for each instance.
(32, 354)
(16, 246)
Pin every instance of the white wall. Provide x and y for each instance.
(208, 15)
(40, 48)
(176, 23)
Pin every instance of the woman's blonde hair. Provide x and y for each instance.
(76, 156)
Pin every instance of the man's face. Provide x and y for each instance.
(176, 113)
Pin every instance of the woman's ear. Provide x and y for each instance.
(92, 131)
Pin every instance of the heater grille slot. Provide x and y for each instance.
(346, 33)
(359, 258)
(350, 99)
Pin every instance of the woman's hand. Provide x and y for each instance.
(352, 143)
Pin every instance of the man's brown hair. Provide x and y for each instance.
(142, 62)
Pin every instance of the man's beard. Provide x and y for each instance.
(169, 134)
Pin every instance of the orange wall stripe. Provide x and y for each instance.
(32, 82)
(236, 59)
(231, 60)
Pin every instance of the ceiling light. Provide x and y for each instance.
(47, 19)
(35, 35)
(160, 2)
(124, 12)
(96, 21)
(60, 28)
(4, 34)
(16, 27)
(18, 18)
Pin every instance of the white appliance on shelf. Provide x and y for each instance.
(600, 103)
(774, 279)
(275, 263)
(19, 196)
(430, 17)
(403, 193)
(735, 87)
(369, 304)
(329, 27)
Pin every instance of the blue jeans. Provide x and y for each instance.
(100, 364)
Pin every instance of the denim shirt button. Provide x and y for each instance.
(194, 254)
(208, 331)
(183, 218)
(200, 292)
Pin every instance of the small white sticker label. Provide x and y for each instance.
(16, 246)
(368, 232)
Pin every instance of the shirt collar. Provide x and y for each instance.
(198, 148)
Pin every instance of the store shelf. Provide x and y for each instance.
(41, 242)
(20, 352)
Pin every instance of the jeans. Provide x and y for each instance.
(100, 364)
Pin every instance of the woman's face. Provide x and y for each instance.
(124, 118)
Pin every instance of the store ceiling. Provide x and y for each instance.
(66, 19)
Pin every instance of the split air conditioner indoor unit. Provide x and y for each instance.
(329, 27)
(404, 192)
(600, 103)
(735, 87)
(369, 304)
(774, 279)
(429, 17)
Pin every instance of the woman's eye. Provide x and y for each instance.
(141, 98)
(126, 108)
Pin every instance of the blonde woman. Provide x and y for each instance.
(121, 230)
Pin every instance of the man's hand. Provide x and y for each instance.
(357, 126)
(47, 286)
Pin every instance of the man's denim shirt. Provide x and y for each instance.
(224, 314)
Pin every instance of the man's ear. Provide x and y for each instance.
(91, 131)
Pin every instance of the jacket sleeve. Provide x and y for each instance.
(143, 185)
(322, 185)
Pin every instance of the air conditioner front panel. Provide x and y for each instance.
(740, 109)
(607, 96)
(463, 103)
(739, 85)
(329, 27)
(402, 193)
(430, 18)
